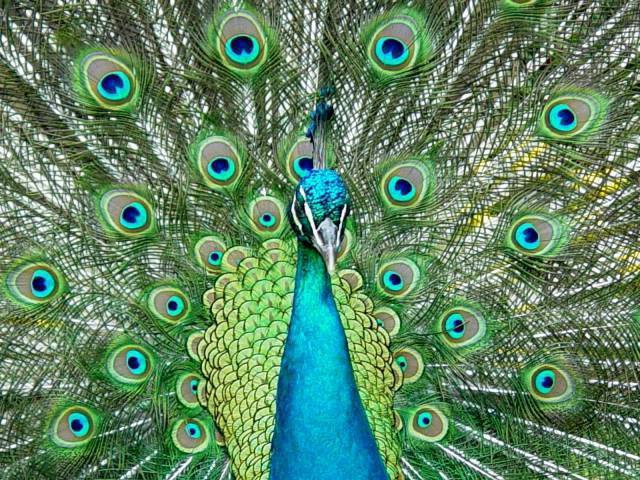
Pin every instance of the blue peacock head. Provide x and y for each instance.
(319, 211)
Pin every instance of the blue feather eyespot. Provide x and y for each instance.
(242, 49)
(33, 283)
(129, 364)
(424, 419)
(405, 185)
(217, 161)
(134, 216)
(562, 118)
(573, 116)
(462, 327)
(395, 45)
(550, 384)
(187, 389)
(126, 213)
(73, 427)
(267, 215)
(299, 160)
(175, 306)
(221, 168)
(109, 81)
(190, 435)
(455, 326)
(398, 278)
(115, 86)
(168, 304)
(410, 363)
(536, 235)
(391, 51)
(42, 283)
(302, 166)
(240, 42)
(392, 281)
(209, 251)
(428, 423)
(79, 424)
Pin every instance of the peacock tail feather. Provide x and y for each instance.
(162, 176)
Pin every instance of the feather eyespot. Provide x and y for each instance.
(73, 427)
(398, 278)
(550, 384)
(266, 215)
(209, 251)
(573, 116)
(126, 213)
(405, 185)
(410, 363)
(110, 82)
(428, 423)
(299, 159)
(395, 45)
(187, 388)
(168, 304)
(218, 162)
(130, 364)
(190, 435)
(35, 283)
(536, 235)
(462, 327)
(241, 42)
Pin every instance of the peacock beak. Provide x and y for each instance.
(329, 244)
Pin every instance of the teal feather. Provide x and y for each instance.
(488, 151)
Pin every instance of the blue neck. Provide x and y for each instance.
(321, 429)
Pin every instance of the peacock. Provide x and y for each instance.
(324, 239)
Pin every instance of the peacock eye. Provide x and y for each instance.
(187, 389)
(550, 384)
(568, 116)
(209, 251)
(242, 49)
(410, 363)
(428, 423)
(218, 162)
(221, 168)
(175, 306)
(133, 216)
(34, 283)
(405, 185)
(126, 213)
(302, 166)
(299, 160)
(168, 303)
(109, 81)
(190, 435)
(536, 235)
(395, 46)
(391, 52)
(241, 42)
(73, 427)
(462, 327)
(267, 215)
(398, 277)
(129, 364)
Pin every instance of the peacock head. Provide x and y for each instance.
(319, 211)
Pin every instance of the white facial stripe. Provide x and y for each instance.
(343, 215)
(296, 220)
